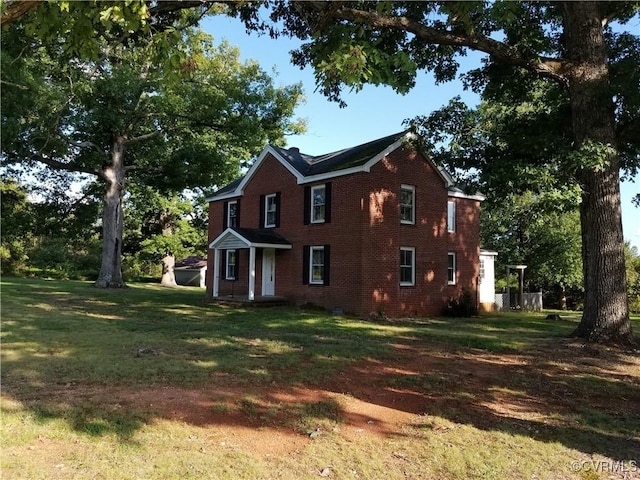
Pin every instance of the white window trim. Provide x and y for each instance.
(312, 213)
(451, 217)
(231, 202)
(266, 211)
(455, 268)
(413, 266)
(311, 280)
(413, 204)
(226, 274)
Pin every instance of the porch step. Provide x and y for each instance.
(258, 302)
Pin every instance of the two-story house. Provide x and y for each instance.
(374, 228)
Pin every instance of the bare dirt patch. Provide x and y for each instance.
(541, 394)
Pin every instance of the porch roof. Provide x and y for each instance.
(249, 237)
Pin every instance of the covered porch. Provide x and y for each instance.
(251, 240)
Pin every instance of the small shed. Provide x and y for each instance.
(191, 271)
(487, 281)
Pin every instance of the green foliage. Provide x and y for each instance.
(161, 224)
(186, 126)
(187, 117)
(54, 237)
(633, 277)
(526, 231)
(15, 222)
(82, 29)
(463, 306)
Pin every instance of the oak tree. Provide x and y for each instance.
(178, 123)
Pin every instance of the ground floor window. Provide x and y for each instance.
(232, 261)
(407, 266)
(451, 269)
(316, 265)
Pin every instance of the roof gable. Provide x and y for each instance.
(307, 168)
(249, 237)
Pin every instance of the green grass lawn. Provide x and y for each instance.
(502, 396)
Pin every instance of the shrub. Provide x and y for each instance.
(463, 306)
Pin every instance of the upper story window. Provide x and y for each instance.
(451, 268)
(451, 216)
(407, 266)
(408, 204)
(232, 214)
(317, 204)
(270, 209)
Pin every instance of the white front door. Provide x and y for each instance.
(268, 272)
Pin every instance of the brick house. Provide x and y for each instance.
(373, 228)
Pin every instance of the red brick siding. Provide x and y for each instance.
(365, 235)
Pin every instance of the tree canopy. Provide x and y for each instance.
(125, 115)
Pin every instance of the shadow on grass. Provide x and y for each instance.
(109, 362)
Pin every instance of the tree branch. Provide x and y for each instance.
(12, 10)
(21, 87)
(552, 68)
(144, 137)
(67, 167)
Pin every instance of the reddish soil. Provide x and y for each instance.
(373, 398)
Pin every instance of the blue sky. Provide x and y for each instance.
(372, 113)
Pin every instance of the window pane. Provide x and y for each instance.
(232, 218)
(318, 203)
(406, 267)
(406, 204)
(451, 270)
(405, 275)
(270, 211)
(317, 265)
(231, 264)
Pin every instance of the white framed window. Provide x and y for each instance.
(231, 265)
(270, 208)
(482, 269)
(407, 266)
(318, 203)
(316, 265)
(408, 204)
(232, 214)
(451, 216)
(451, 268)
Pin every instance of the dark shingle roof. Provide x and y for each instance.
(254, 235)
(229, 188)
(309, 165)
(357, 156)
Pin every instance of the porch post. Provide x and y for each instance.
(252, 273)
(216, 272)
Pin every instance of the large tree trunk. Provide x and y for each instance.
(606, 313)
(168, 278)
(168, 274)
(112, 219)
